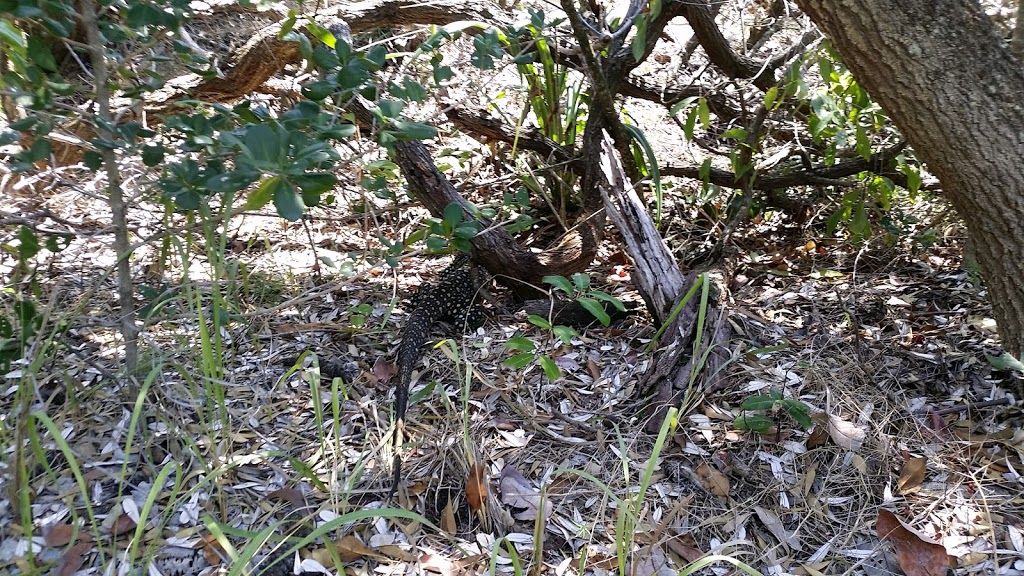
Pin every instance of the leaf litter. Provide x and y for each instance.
(896, 397)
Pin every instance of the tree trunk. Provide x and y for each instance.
(939, 69)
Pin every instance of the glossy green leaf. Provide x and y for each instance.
(539, 321)
(520, 343)
(595, 308)
(754, 423)
(559, 282)
(518, 361)
(40, 54)
(564, 333)
(551, 370)
(762, 402)
(287, 201)
(263, 194)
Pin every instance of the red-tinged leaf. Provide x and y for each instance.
(290, 496)
(122, 525)
(73, 559)
(383, 370)
(476, 487)
(60, 535)
(917, 555)
(212, 550)
(685, 545)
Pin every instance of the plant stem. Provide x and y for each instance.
(118, 206)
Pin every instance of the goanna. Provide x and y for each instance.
(453, 298)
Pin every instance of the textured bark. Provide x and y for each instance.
(941, 72)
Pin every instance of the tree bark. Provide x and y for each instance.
(941, 72)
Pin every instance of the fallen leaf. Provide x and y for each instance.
(911, 475)
(476, 487)
(212, 550)
(713, 480)
(685, 545)
(819, 435)
(652, 561)
(73, 559)
(351, 548)
(123, 525)
(846, 434)
(448, 523)
(518, 492)
(917, 555)
(290, 496)
(60, 535)
(774, 525)
(383, 370)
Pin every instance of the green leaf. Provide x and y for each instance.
(453, 214)
(564, 333)
(595, 308)
(559, 282)
(640, 39)
(682, 105)
(320, 33)
(521, 360)
(152, 154)
(28, 243)
(539, 321)
(704, 112)
(608, 298)
(798, 411)
(413, 130)
(263, 194)
(735, 133)
(754, 423)
(581, 280)
(1005, 362)
(520, 343)
(770, 96)
(377, 55)
(315, 182)
(287, 201)
(264, 144)
(92, 160)
(551, 370)
(764, 402)
(318, 90)
(391, 108)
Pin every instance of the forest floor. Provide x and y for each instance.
(886, 344)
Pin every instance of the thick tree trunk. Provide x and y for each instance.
(941, 72)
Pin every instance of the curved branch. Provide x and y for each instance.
(881, 163)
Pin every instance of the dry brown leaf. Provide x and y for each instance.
(439, 564)
(518, 492)
(713, 480)
(846, 434)
(911, 475)
(774, 525)
(122, 525)
(476, 487)
(290, 496)
(73, 559)
(685, 545)
(212, 550)
(351, 548)
(383, 370)
(448, 523)
(60, 535)
(396, 552)
(917, 555)
(819, 435)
